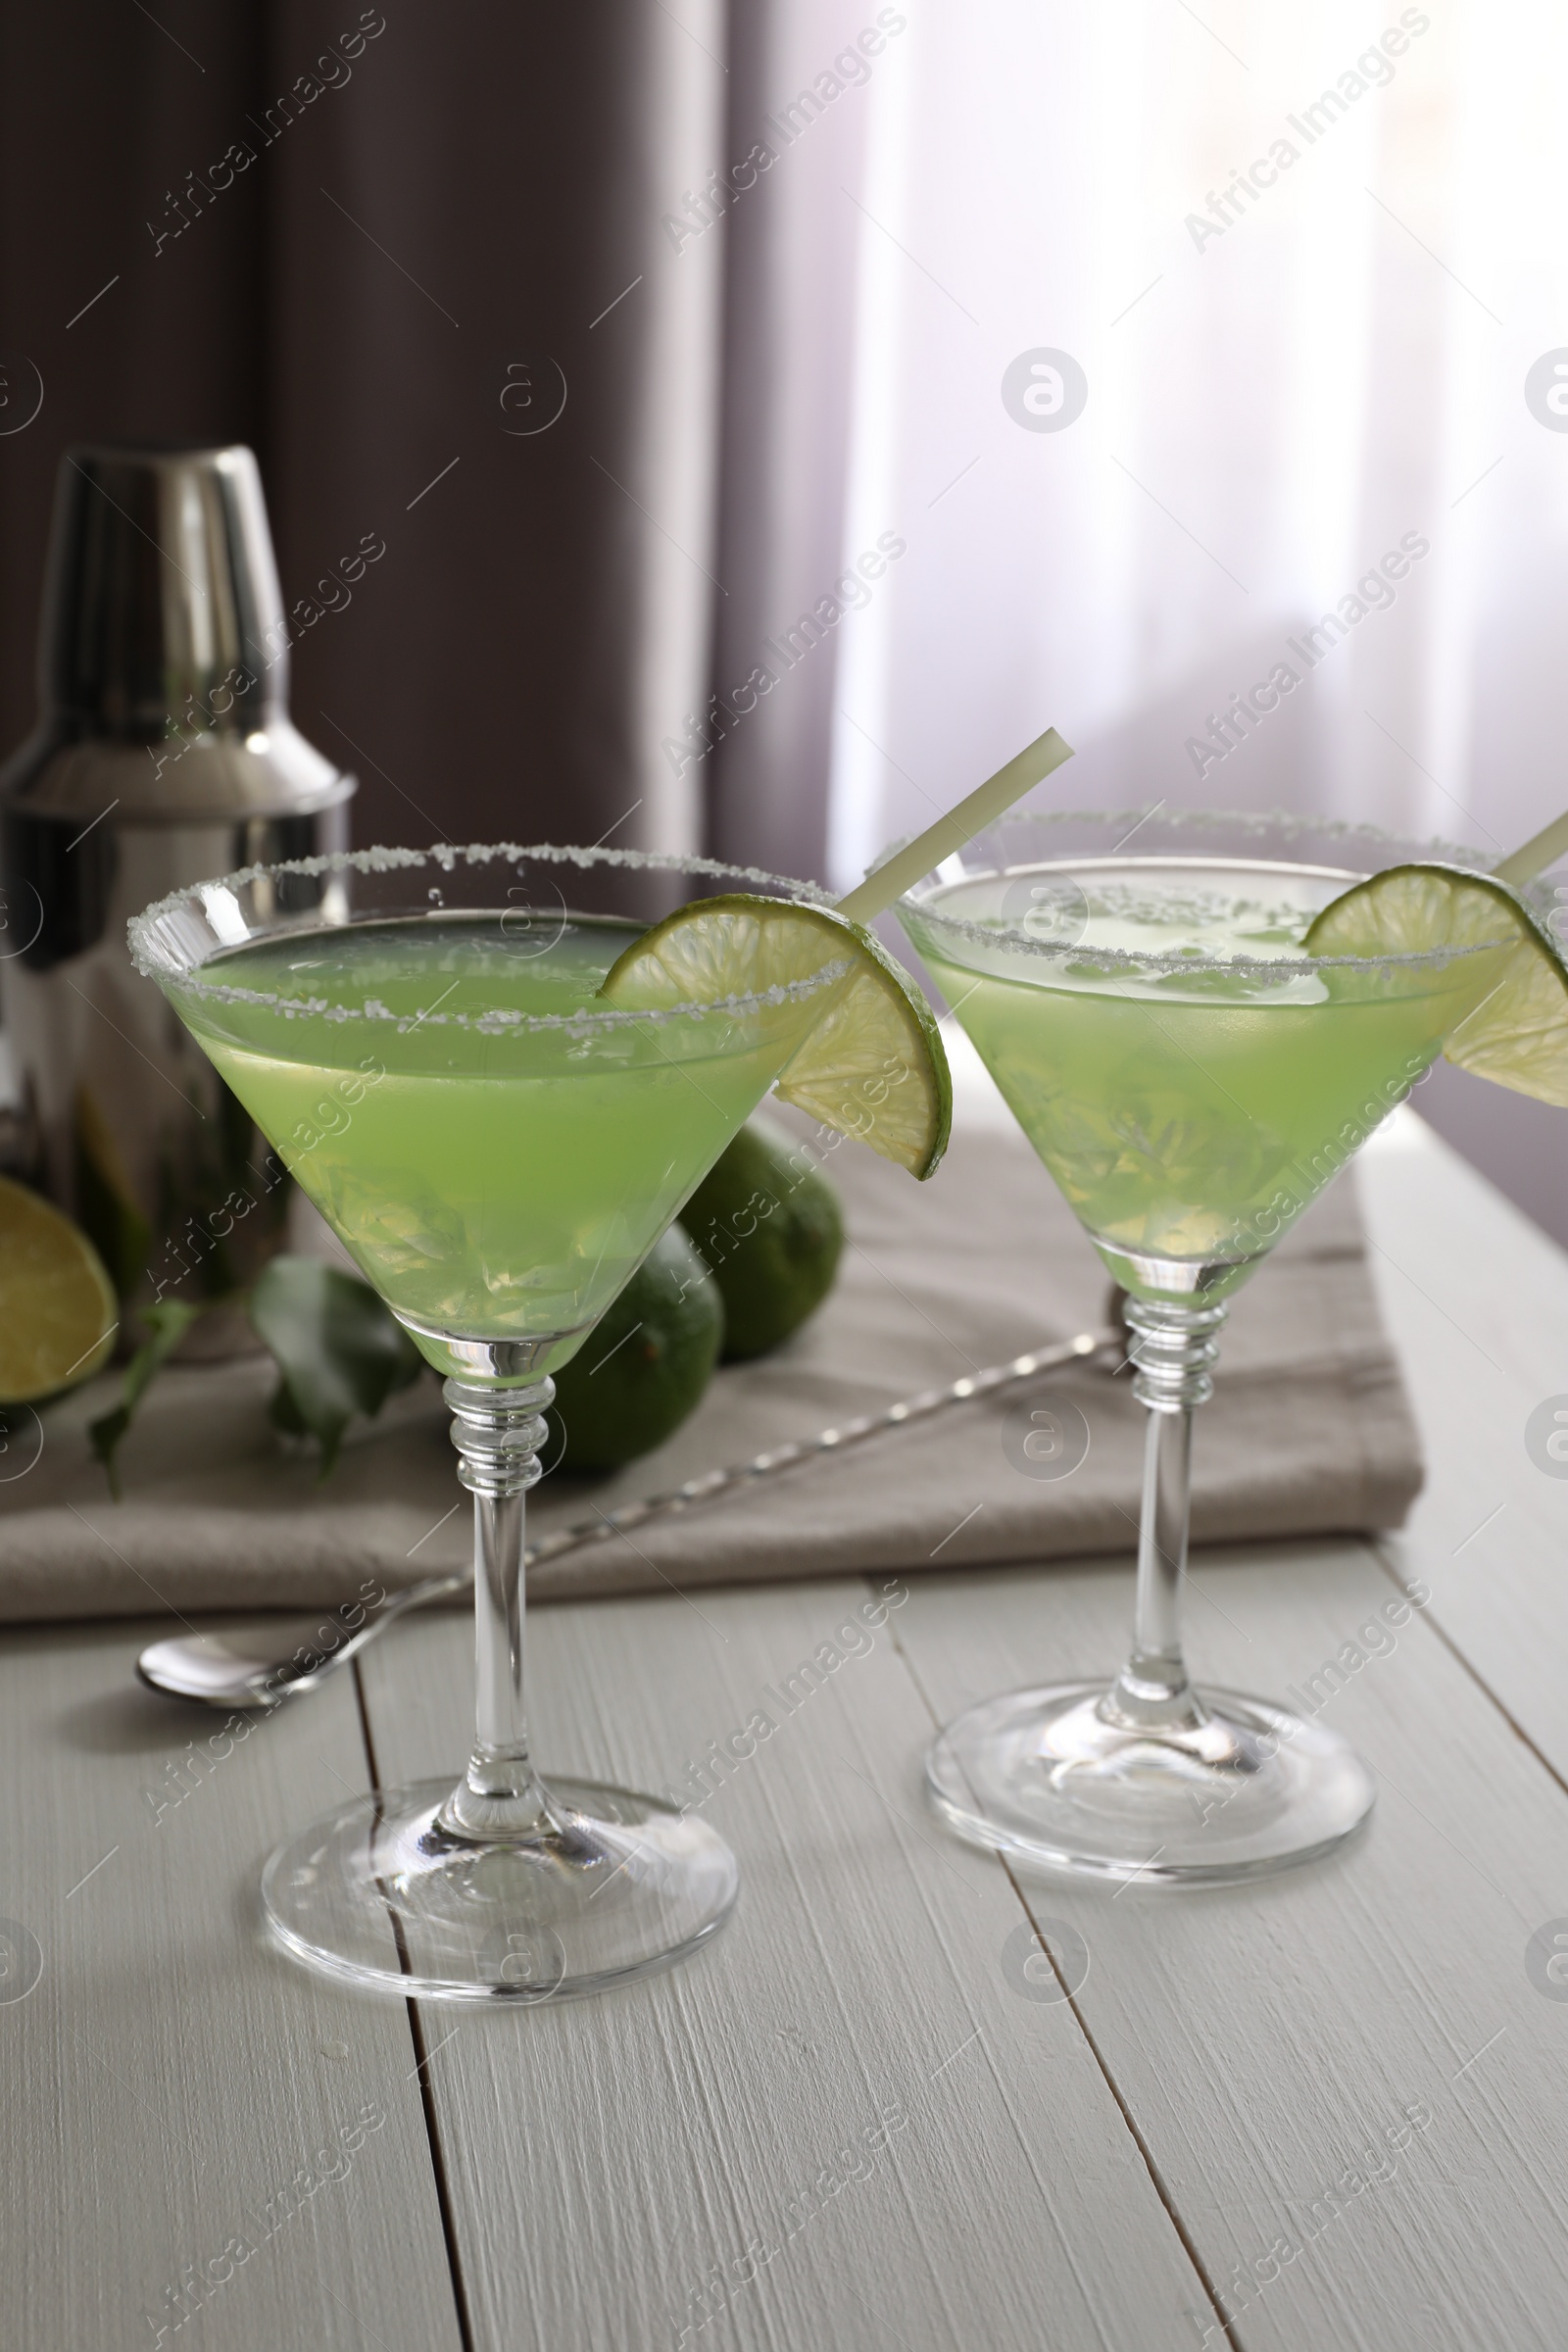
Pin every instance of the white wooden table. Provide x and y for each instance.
(1332, 2107)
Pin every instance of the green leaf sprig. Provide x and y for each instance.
(168, 1322)
(338, 1352)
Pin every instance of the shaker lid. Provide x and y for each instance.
(163, 654)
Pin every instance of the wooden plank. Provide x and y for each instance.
(168, 2075)
(607, 2157)
(1266, 2038)
(1476, 1298)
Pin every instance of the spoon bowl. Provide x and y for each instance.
(258, 1668)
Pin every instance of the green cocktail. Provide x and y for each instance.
(496, 1152)
(499, 1139)
(1188, 1115)
(1192, 1077)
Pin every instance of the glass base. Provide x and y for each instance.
(611, 1885)
(1055, 1781)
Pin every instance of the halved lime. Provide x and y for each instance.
(872, 1065)
(58, 1313)
(1518, 1033)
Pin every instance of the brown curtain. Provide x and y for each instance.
(792, 242)
(383, 246)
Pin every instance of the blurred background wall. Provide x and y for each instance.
(1127, 341)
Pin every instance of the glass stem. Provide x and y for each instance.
(498, 1434)
(1173, 1347)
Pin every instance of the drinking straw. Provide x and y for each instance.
(1541, 849)
(991, 800)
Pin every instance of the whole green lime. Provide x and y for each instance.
(643, 1366)
(768, 1223)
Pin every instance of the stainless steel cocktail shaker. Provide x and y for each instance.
(164, 755)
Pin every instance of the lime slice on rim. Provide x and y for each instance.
(1518, 1034)
(57, 1312)
(872, 1065)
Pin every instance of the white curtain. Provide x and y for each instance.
(1313, 270)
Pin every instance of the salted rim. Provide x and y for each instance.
(1278, 823)
(142, 932)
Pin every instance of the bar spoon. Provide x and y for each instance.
(259, 1668)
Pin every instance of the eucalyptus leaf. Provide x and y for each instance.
(337, 1348)
(167, 1320)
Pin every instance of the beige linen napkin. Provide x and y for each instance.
(1309, 1432)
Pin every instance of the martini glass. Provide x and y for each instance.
(416, 1035)
(1192, 1080)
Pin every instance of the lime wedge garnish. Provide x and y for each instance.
(872, 1065)
(58, 1314)
(1518, 1034)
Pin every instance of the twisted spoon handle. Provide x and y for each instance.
(600, 1529)
(225, 1670)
